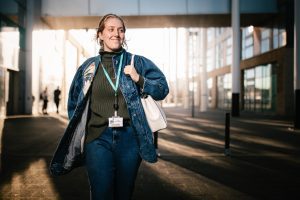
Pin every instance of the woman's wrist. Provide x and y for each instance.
(141, 82)
(136, 78)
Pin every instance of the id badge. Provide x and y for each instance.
(115, 121)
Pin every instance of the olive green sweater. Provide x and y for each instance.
(103, 97)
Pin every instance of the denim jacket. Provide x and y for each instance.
(69, 153)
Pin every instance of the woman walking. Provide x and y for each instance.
(108, 131)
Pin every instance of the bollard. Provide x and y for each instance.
(155, 134)
(155, 139)
(227, 134)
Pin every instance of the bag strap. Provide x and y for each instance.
(132, 64)
(132, 60)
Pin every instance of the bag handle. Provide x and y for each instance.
(132, 64)
(132, 60)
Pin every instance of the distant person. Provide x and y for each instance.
(57, 98)
(32, 99)
(108, 131)
(44, 97)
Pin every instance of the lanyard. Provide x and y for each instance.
(114, 86)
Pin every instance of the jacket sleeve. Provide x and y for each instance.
(155, 83)
(76, 88)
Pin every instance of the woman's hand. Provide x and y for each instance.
(130, 70)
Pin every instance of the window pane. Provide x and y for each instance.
(260, 89)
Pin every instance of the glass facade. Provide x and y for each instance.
(279, 37)
(219, 48)
(259, 82)
(247, 42)
(210, 56)
(222, 53)
(9, 56)
(209, 60)
(224, 91)
(269, 38)
(209, 91)
(218, 55)
(9, 40)
(265, 40)
(260, 88)
(229, 50)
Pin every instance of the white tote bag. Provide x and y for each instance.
(155, 115)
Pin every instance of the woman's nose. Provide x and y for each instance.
(116, 33)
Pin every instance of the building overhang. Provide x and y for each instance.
(161, 21)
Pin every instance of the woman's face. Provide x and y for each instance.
(113, 35)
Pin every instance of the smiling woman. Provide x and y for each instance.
(107, 126)
(111, 33)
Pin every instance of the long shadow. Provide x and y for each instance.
(27, 147)
(242, 140)
(259, 175)
(251, 134)
(149, 186)
(29, 142)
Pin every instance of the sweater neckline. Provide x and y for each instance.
(113, 53)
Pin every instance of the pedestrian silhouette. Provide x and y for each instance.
(57, 98)
(44, 97)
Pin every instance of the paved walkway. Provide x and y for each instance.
(264, 161)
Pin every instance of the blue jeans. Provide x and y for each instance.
(112, 162)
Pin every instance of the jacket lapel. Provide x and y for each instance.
(88, 75)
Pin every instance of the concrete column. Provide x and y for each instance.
(235, 67)
(297, 64)
(214, 64)
(64, 94)
(186, 96)
(176, 71)
(203, 75)
(28, 56)
(197, 69)
(168, 74)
